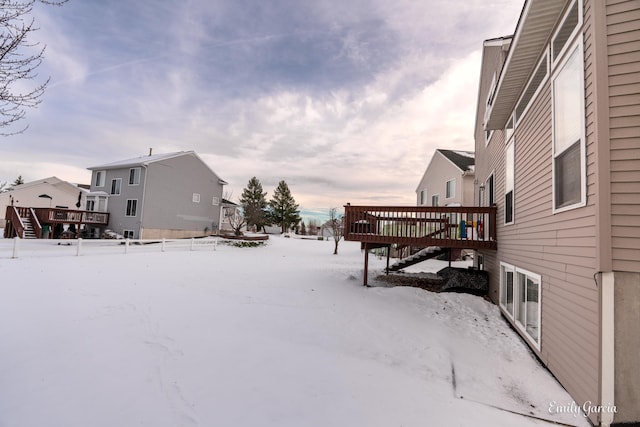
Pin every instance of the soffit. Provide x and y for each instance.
(534, 29)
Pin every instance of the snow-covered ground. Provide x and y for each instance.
(281, 335)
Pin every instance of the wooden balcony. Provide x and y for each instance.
(23, 221)
(461, 227)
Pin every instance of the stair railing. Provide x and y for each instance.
(13, 218)
(35, 223)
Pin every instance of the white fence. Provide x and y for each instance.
(20, 248)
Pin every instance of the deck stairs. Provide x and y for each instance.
(421, 255)
(29, 233)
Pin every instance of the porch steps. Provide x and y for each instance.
(422, 255)
(28, 229)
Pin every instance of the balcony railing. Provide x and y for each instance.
(461, 227)
(66, 216)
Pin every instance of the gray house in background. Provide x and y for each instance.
(174, 195)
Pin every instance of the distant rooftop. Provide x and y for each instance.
(464, 160)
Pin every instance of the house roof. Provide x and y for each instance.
(53, 181)
(140, 161)
(147, 160)
(464, 160)
(536, 22)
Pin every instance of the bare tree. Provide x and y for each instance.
(336, 225)
(19, 59)
(236, 221)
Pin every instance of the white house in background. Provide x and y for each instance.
(448, 180)
(43, 193)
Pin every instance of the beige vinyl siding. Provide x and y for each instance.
(623, 40)
(560, 247)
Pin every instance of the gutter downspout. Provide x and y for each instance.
(144, 191)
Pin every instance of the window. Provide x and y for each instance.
(528, 306)
(568, 133)
(520, 292)
(490, 193)
(434, 200)
(506, 288)
(115, 186)
(132, 207)
(451, 189)
(128, 234)
(422, 196)
(509, 184)
(134, 176)
(196, 198)
(215, 201)
(508, 130)
(565, 31)
(99, 178)
(532, 88)
(91, 204)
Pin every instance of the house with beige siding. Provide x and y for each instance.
(448, 179)
(557, 150)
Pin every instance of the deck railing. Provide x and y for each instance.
(463, 227)
(67, 216)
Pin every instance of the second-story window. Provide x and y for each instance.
(196, 198)
(434, 200)
(134, 176)
(99, 178)
(509, 183)
(116, 185)
(451, 189)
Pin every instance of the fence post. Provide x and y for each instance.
(79, 246)
(15, 247)
(192, 243)
(126, 246)
(163, 243)
(215, 244)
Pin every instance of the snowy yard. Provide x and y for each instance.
(281, 335)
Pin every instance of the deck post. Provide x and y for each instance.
(366, 264)
(388, 255)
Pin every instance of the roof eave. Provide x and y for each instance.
(532, 34)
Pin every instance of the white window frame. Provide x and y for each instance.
(130, 203)
(437, 199)
(577, 47)
(90, 204)
(513, 315)
(518, 118)
(215, 201)
(195, 198)
(510, 184)
(557, 57)
(100, 178)
(423, 196)
(119, 187)
(450, 190)
(129, 234)
(490, 189)
(136, 176)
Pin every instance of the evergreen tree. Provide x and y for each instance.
(303, 229)
(18, 181)
(283, 209)
(254, 204)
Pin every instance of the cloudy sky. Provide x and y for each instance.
(346, 100)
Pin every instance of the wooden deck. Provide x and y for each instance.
(19, 219)
(460, 227)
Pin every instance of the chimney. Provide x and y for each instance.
(150, 151)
